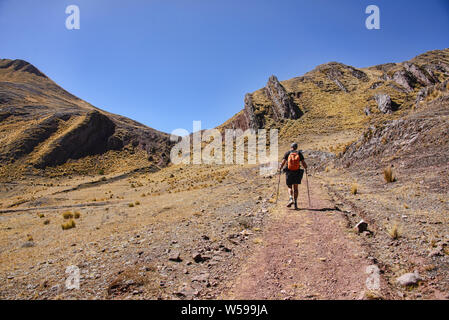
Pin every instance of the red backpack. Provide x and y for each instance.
(294, 161)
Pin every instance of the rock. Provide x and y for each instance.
(409, 279)
(175, 256)
(383, 103)
(283, 106)
(28, 244)
(197, 257)
(405, 79)
(203, 277)
(362, 226)
(438, 251)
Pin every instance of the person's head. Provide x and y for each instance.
(294, 146)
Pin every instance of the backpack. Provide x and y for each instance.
(294, 161)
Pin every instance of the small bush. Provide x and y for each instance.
(137, 203)
(101, 172)
(131, 205)
(354, 189)
(41, 215)
(389, 175)
(67, 215)
(394, 231)
(47, 221)
(77, 215)
(68, 225)
(30, 238)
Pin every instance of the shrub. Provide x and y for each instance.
(394, 231)
(41, 215)
(47, 221)
(137, 203)
(77, 215)
(67, 215)
(68, 225)
(130, 205)
(388, 175)
(354, 189)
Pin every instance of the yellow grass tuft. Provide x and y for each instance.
(77, 215)
(389, 175)
(68, 225)
(131, 205)
(354, 189)
(67, 215)
(394, 231)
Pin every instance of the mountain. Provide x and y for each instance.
(42, 126)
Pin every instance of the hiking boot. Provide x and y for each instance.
(290, 202)
(296, 205)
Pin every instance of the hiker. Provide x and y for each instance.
(293, 172)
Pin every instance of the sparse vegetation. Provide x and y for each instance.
(68, 225)
(47, 221)
(67, 215)
(354, 189)
(77, 215)
(394, 231)
(131, 205)
(389, 175)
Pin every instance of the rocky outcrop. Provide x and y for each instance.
(384, 103)
(283, 106)
(405, 79)
(253, 121)
(422, 76)
(88, 137)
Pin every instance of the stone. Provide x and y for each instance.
(409, 279)
(28, 244)
(175, 256)
(383, 103)
(362, 226)
(197, 257)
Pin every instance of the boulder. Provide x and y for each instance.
(383, 103)
(409, 279)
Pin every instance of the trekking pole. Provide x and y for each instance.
(308, 193)
(277, 192)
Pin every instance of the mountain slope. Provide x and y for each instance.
(335, 98)
(44, 126)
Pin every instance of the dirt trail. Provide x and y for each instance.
(304, 254)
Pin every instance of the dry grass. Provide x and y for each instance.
(47, 221)
(394, 231)
(131, 205)
(354, 189)
(67, 215)
(68, 225)
(389, 175)
(77, 215)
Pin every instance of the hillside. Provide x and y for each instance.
(42, 126)
(331, 105)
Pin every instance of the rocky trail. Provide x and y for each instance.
(308, 253)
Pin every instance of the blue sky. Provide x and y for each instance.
(166, 63)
